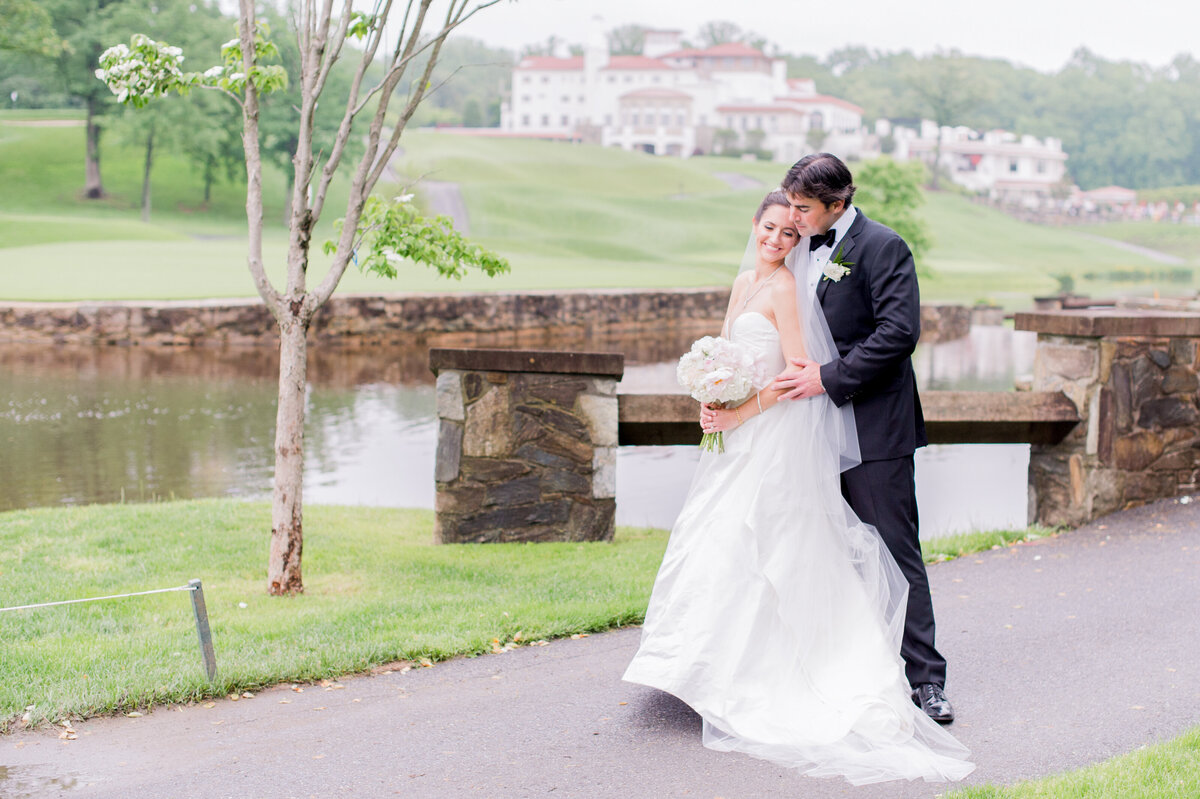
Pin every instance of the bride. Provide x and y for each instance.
(776, 614)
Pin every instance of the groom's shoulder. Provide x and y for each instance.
(877, 230)
(877, 234)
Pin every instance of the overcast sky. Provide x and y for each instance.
(1037, 33)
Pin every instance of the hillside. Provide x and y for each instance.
(566, 216)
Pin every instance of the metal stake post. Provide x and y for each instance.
(206, 644)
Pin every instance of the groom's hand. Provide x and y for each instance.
(800, 383)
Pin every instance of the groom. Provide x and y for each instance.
(863, 276)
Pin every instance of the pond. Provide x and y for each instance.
(112, 424)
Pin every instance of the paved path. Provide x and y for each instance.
(737, 181)
(1154, 255)
(445, 199)
(1062, 652)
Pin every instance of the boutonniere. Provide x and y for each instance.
(837, 268)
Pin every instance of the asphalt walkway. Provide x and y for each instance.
(1063, 652)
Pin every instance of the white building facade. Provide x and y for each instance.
(1005, 167)
(675, 101)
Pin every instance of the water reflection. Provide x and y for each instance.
(83, 425)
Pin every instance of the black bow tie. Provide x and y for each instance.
(822, 239)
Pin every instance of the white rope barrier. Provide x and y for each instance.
(194, 587)
(98, 598)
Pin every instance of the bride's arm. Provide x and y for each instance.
(791, 340)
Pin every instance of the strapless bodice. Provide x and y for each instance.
(755, 331)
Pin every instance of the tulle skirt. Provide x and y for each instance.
(777, 615)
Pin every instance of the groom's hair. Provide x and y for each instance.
(821, 176)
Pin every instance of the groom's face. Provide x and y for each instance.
(811, 216)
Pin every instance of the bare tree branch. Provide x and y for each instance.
(343, 135)
(247, 26)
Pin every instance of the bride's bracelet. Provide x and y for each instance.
(758, 399)
(738, 413)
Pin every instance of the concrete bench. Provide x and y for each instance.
(951, 417)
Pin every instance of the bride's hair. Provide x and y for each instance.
(776, 197)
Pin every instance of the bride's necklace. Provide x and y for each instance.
(746, 301)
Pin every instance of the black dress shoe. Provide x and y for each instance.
(932, 699)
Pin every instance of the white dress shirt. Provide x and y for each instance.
(819, 258)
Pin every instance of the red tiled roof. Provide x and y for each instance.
(730, 49)
(823, 99)
(542, 62)
(757, 109)
(635, 62)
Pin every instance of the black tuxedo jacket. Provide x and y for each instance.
(874, 314)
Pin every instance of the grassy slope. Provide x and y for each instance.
(376, 592)
(567, 216)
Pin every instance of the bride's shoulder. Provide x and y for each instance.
(784, 282)
(744, 278)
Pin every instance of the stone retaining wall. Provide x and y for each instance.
(527, 445)
(375, 319)
(1134, 376)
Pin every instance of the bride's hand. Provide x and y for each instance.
(715, 420)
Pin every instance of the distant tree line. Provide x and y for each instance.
(1120, 122)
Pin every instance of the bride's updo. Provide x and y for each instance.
(776, 197)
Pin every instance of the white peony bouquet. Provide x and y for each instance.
(720, 372)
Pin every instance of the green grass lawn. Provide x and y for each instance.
(566, 215)
(1179, 240)
(377, 590)
(1169, 770)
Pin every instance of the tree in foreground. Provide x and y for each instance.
(379, 234)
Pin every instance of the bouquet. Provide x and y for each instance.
(718, 372)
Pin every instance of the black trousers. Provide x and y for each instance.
(884, 493)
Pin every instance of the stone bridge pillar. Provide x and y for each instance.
(527, 445)
(1133, 376)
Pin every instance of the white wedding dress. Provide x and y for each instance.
(777, 614)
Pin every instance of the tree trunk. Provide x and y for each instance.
(146, 177)
(209, 176)
(287, 539)
(936, 183)
(93, 188)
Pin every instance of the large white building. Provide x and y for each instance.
(676, 101)
(1005, 167)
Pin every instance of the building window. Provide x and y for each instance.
(1013, 165)
(816, 121)
(565, 121)
(526, 79)
(545, 120)
(582, 99)
(608, 119)
(612, 78)
(525, 120)
(566, 99)
(545, 79)
(1042, 167)
(680, 120)
(655, 79)
(666, 120)
(629, 79)
(524, 98)
(634, 119)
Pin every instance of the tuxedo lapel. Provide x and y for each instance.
(846, 245)
(843, 249)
